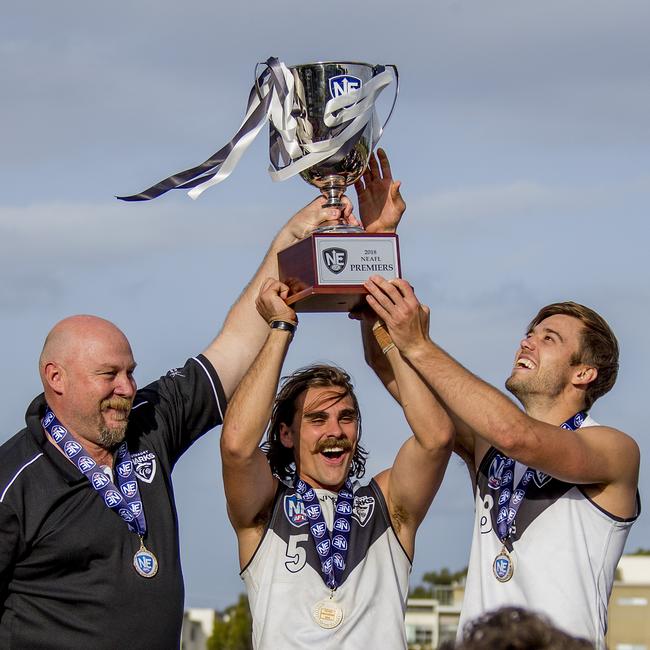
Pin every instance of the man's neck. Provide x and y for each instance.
(552, 411)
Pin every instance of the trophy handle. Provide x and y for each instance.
(392, 108)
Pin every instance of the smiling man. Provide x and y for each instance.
(556, 493)
(89, 547)
(325, 561)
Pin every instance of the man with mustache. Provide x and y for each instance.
(89, 548)
(556, 493)
(325, 561)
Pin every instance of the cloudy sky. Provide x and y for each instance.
(521, 135)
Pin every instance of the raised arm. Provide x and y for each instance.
(244, 331)
(599, 456)
(249, 484)
(411, 483)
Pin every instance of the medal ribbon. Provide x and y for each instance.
(124, 498)
(510, 501)
(273, 98)
(332, 548)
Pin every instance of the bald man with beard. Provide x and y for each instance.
(89, 548)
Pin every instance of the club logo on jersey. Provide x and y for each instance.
(294, 510)
(338, 541)
(342, 525)
(339, 563)
(496, 471)
(313, 511)
(363, 508)
(99, 480)
(541, 479)
(343, 84)
(129, 489)
(318, 530)
(335, 259)
(323, 547)
(71, 448)
(125, 468)
(112, 498)
(47, 420)
(144, 465)
(86, 463)
(175, 372)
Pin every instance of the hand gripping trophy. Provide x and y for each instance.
(323, 126)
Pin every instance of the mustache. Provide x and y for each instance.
(333, 443)
(117, 403)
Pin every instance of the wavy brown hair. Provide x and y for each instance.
(280, 457)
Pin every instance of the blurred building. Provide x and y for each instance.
(197, 628)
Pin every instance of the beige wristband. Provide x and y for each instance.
(382, 336)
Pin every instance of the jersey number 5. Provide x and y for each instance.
(296, 555)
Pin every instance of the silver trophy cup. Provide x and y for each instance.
(315, 84)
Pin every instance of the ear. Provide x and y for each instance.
(286, 436)
(584, 375)
(54, 377)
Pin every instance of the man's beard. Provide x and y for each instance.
(539, 386)
(111, 437)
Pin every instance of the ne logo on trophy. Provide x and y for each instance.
(324, 127)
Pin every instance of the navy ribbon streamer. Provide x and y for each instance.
(510, 501)
(124, 499)
(332, 548)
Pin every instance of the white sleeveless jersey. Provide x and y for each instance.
(284, 581)
(565, 551)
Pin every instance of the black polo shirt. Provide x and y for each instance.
(66, 561)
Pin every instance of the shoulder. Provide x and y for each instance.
(18, 457)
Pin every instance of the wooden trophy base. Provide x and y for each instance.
(326, 271)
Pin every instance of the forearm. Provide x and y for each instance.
(249, 410)
(480, 406)
(432, 428)
(377, 360)
(244, 330)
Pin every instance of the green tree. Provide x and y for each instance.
(233, 628)
(434, 579)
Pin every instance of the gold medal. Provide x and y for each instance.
(327, 613)
(503, 566)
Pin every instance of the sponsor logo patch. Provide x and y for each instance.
(294, 510)
(495, 472)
